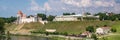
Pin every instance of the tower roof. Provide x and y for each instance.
(20, 13)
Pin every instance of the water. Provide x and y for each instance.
(23, 38)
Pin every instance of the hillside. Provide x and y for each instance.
(72, 27)
(75, 27)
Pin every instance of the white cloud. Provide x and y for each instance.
(46, 6)
(60, 6)
(82, 3)
(104, 3)
(85, 3)
(35, 6)
(89, 3)
(71, 2)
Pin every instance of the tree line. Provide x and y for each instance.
(108, 16)
(4, 20)
(102, 16)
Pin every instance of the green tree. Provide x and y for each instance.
(94, 37)
(90, 28)
(12, 19)
(118, 16)
(9, 20)
(66, 14)
(73, 13)
(112, 18)
(113, 29)
(87, 13)
(103, 16)
(2, 22)
(50, 18)
(43, 16)
(69, 13)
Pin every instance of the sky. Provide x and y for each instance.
(57, 7)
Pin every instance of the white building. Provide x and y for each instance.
(22, 18)
(103, 30)
(67, 18)
(72, 17)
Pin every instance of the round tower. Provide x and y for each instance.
(19, 16)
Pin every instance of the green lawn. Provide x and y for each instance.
(32, 25)
(74, 27)
(116, 25)
(113, 37)
(10, 26)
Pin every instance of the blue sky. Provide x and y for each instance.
(57, 7)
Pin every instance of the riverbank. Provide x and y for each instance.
(75, 27)
(50, 36)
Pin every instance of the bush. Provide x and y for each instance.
(94, 37)
(90, 28)
(47, 33)
(56, 33)
(65, 33)
(52, 33)
(113, 30)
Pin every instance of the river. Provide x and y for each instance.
(23, 38)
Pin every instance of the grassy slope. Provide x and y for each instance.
(113, 37)
(75, 27)
(117, 26)
(70, 27)
(10, 26)
(32, 25)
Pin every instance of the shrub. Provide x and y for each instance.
(90, 28)
(94, 37)
(113, 30)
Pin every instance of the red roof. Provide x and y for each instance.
(105, 28)
(86, 33)
(20, 13)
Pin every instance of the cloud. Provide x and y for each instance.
(85, 3)
(57, 7)
(104, 3)
(77, 6)
(46, 6)
(88, 3)
(35, 6)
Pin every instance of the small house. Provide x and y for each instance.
(103, 30)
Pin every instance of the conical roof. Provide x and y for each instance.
(20, 13)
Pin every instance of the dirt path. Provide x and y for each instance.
(19, 30)
(19, 26)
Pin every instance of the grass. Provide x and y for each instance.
(56, 38)
(10, 26)
(73, 27)
(32, 25)
(117, 26)
(113, 37)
